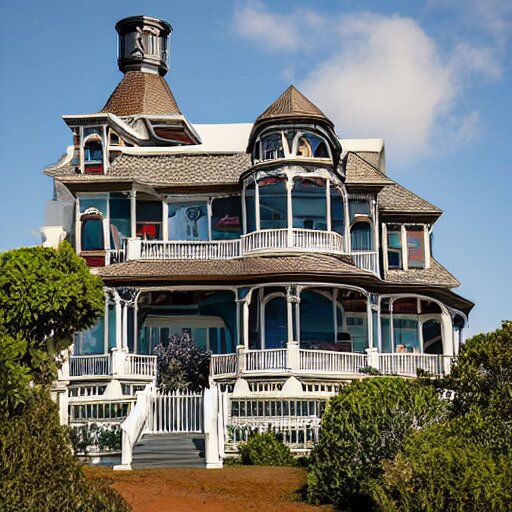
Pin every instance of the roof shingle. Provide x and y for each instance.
(397, 199)
(436, 275)
(141, 93)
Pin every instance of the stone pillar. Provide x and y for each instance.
(373, 358)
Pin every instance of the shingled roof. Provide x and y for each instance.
(141, 93)
(436, 275)
(183, 169)
(292, 104)
(361, 172)
(264, 267)
(397, 199)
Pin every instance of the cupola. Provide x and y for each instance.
(293, 127)
(143, 44)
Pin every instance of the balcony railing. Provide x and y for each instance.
(136, 364)
(264, 360)
(408, 364)
(189, 250)
(367, 260)
(84, 366)
(324, 361)
(223, 364)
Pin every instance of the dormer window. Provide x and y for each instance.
(93, 155)
(406, 247)
(394, 247)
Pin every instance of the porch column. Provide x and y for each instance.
(118, 310)
(447, 339)
(289, 187)
(292, 346)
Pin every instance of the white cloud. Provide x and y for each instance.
(379, 76)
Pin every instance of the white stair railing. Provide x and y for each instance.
(133, 426)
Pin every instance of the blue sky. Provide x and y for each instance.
(433, 78)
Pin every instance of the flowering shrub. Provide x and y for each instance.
(182, 365)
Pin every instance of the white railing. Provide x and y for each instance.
(296, 431)
(265, 240)
(325, 361)
(223, 364)
(80, 366)
(367, 260)
(115, 256)
(133, 426)
(136, 364)
(176, 411)
(261, 360)
(185, 250)
(314, 239)
(408, 364)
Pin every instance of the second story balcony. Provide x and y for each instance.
(269, 241)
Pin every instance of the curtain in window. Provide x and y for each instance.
(92, 233)
(361, 236)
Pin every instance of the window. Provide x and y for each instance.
(188, 221)
(120, 226)
(337, 211)
(250, 207)
(361, 236)
(309, 203)
(356, 326)
(276, 323)
(394, 247)
(92, 238)
(91, 341)
(406, 335)
(273, 203)
(316, 319)
(415, 247)
(272, 146)
(226, 218)
(93, 152)
(149, 220)
(310, 145)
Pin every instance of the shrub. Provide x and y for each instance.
(365, 424)
(440, 471)
(38, 471)
(182, 364)
(265, 449)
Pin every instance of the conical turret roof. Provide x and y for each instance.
(141, 93)
(292, 104)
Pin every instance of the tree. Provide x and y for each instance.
(47, 295)
(365, 424)
(482, 382)
(182, 364)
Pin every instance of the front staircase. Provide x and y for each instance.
(182, 450)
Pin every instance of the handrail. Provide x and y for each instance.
(133, 425)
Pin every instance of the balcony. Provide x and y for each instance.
(258, 242)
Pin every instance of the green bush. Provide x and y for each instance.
(365, 424)
(265, 449)
(38, 471)
(438, 470)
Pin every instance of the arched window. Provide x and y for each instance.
(310, 145)
(361, 236)
(276, 332)
(92, 237)
(272, 145)
(432, 338)
(337, 211)
(250, 208)
(93, 152)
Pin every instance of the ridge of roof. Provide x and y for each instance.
(291, 104)
(141, 93)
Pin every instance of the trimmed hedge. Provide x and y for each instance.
(38, 471)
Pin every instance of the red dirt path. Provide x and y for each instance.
(235, 488)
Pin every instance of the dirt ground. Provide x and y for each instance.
(234, 488)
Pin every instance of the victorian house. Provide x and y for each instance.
(288, 252)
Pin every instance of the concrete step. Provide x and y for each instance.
(169, 450)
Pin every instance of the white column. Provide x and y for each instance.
(125, 328)
(328, 204)
(78, 226)
(447, 339)
(289, 187)
(405, 251)
(165, 220)
(118, 309)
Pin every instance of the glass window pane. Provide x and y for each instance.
(309, 203)
(360, 207)
(91, 341)
(149, 220)
(337, 211)
(119, 217)
(250, 208)
(415, 247)
(188, 221)
(406, 335)
(316, 319)
(273, 203)
(226, 213)
(275, 323)
(99, 202)
(92, 234)
(272, 146)
(394, 249)
(361, 236)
